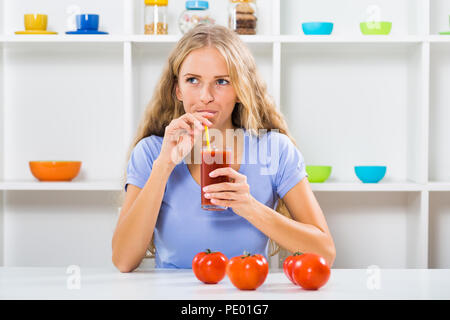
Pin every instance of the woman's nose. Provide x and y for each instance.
(206, 95)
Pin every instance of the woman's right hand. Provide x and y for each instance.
(181, 135)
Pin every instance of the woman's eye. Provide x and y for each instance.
(222, 81)
(219, 82)
(190, 80)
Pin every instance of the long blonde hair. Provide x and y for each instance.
(255, 110)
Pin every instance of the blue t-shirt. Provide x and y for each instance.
(272, 165)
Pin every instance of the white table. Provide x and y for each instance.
(55, 283)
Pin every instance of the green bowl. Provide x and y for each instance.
(318, 173)
(375, 27)
(446, 32)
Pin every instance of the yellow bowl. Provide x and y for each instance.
(55, 170)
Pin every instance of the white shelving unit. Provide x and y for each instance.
(349, 100)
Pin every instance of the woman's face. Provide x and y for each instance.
(204, 84)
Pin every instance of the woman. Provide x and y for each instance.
(211, 80)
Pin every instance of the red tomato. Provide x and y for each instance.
(247, 271)
(289, 263)
(209, 267)
(310, 271)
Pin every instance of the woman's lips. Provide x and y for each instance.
(210, 111)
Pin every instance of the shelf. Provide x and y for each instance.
(439, 186)
(439, 39)
(68, 186)
(62, 38)
(349, 39)
(348, 99)
(302, 39)
(268, 39)
(355, 186)
(154, 38)
(327, 186)
(175, 38)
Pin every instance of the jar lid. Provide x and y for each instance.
(197, 5)
(235, 1)
(156, 2)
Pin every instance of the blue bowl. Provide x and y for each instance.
(370, 174)
(317, 27)
(87, 21)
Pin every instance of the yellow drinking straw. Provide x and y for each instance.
(207, 138)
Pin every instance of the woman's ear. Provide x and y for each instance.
(178, 92)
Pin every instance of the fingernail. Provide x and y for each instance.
(211, 174)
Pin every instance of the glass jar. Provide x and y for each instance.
(196, 12)
(155, 17)
(242, 16)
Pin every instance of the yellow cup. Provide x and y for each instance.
(35, 22)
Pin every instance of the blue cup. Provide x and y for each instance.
(87, 21)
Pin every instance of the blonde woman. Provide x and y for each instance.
(211, 79)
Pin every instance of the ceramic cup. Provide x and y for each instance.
(87, 21)
(35, 21)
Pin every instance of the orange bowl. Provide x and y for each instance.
(55, 170)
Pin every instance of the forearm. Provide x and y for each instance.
(134, 232)
(290, 234)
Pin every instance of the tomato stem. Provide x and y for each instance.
(246, 254)
(208, 251)
(298, 253)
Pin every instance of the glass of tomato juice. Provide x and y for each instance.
(212, 159)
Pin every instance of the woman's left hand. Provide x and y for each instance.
(235, 195)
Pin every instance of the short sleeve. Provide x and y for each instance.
(141, 162)
(291, 168)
